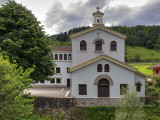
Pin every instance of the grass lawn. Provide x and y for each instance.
(142, 67)
(144, 53)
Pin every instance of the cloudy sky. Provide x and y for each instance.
(62, 15)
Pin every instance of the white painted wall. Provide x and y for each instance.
(63, 75)
(82, 56)
(137, 79)
(88, 74)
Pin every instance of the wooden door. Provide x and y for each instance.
(103, 88)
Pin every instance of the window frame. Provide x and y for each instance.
(59, 70)
(157, 72)
(113, 47)
(98, 45)
(69, 56)
(58, 80)
(60, 57)
(99, 68)
(65, 57)
(83, 47)
(123, 89)
(82, 89)
(105, 68)
(56, 56)
(138, 85)
(53, 79)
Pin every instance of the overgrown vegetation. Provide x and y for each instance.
(128, 109)
(14, 105)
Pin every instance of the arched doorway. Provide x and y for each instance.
(103, 88)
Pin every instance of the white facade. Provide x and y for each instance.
(82, 56)
(120, 75)
(91, 48)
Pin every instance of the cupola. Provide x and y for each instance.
(98, 18)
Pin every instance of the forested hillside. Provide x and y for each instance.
(145, 36)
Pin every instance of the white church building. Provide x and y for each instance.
(94, 66)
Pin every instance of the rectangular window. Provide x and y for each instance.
(82, 89)
(123, 89)
(53, 80)
(58, 70)
(58, 80)
(68, 69)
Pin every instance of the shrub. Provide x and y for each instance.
(99, 113)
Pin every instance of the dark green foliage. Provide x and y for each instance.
(152, 112)
(108, 113)
(99, 113)
(146, 36)
(14, 105)
(23, 40)
(64, 36)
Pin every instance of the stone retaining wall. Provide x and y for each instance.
(66, 103)
(83, 102)
(53, 103)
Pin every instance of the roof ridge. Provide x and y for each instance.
(83, 64)
(98, 27)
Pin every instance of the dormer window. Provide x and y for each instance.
(98, 45)
(83, 45)
(98, 19)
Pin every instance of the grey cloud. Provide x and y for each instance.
(3, 2)
(77, 14)
(148, 14)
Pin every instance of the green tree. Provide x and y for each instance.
(128, 109)
(13, 81)
(23, 40)
(157, 45)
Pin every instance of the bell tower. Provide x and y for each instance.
(98, 18)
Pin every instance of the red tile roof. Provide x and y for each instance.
(62, 49)
(154, 66)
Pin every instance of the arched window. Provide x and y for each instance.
(113, 46)
(69, 57)
(60, 57)
(65, 56)
(98, 45)
(106, 68)
(83, 45)
(99, 68)
(56, 57)
(138, 87)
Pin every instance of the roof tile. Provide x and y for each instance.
(62, 49)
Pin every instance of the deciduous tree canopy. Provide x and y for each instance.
(23, 40)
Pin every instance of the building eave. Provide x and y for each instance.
(98, 27)
(129, 67)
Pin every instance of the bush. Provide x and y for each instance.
(99, 113)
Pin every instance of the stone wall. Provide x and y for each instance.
(83, 102)
(53, 103)
(66, 103)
